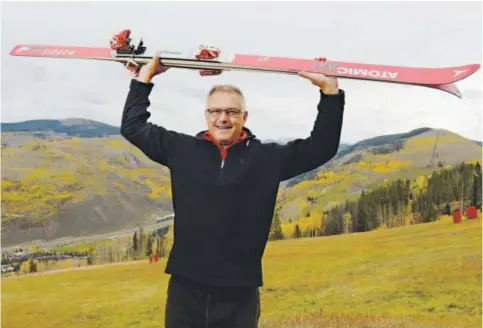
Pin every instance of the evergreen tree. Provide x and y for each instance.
(276, 232)
(297, 233)
(135, 243)
(477, 186)
(149, 245)
(32, 265)
(142, 239)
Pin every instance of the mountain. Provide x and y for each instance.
(55, 185)
(282, 141)
(371, 162)
(71, 127)
(390, 139)
(78, 177)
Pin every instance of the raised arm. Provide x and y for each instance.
(303, 155)
(153, 140)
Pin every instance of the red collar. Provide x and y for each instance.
(223, 148)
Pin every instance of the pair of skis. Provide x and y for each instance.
(211, 61)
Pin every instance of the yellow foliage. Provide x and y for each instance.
(25, 267)
(117, 143)
(322, 178)
(33, 249)
(309, 224)
(288, 230)
(431, 140)
(330, 176)
(39, 194)
(305, 184)
(384, 166)
(471, 161)
(41, 267)
(419, 183)
(303, 205)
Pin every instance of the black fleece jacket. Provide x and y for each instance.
(223, 213)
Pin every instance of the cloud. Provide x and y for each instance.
(398, 33)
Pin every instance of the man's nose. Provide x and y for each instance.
(223, 116)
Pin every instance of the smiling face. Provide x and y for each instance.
(225, 114)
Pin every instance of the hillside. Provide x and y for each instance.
(426, 275)
(371, 162)
(56, 185)
(59, 178)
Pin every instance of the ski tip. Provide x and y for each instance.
(450, 88)
(462, 72)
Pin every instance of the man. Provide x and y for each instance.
(224, 185)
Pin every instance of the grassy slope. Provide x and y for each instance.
(427, 275)
(344, 182)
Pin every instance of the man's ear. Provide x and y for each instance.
(245, 115)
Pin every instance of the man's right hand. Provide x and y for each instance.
(151, 69)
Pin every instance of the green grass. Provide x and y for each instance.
(82, 246)
(426, 275)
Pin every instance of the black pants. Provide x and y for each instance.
(190, 305)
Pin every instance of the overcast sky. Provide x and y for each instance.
(398, 33)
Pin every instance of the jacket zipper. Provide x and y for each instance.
(221, 168)
(222, 165)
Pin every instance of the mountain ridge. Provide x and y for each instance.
(82, 127)
(57, 184)
(69, 126)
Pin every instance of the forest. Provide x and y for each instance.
(393, 204)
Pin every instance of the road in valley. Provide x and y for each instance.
(148, 226)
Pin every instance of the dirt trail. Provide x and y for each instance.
(87, 267)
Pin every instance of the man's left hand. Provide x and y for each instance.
(328, 84)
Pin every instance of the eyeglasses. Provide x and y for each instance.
(231, 112)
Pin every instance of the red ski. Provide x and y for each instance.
(212, 61)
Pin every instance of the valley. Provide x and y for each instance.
(77, 178)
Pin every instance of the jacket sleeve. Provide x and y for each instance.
(153, 140)
(304, 155)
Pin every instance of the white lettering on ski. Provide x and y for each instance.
(326, 64)
(374, 73)
(58, 52)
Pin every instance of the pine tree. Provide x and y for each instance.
(297, 233)
(276, 232)
(135, 244)
(90, 256)
(477, 186)
(142, 240)
(149, 245)
(32, 265)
